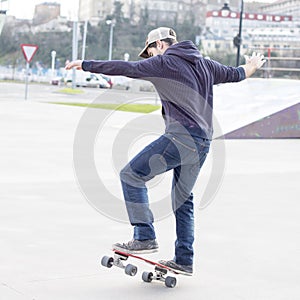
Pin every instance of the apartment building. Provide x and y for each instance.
(161, 12)
(284, 7)
(261, 30)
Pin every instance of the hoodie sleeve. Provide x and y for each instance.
(150, 67)
(223, 74)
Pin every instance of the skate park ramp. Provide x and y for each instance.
(257, 108)
(283, 124)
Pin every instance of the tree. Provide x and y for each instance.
(118, 15)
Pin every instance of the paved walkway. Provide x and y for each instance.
(52, 239)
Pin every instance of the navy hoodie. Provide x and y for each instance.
(184, 81)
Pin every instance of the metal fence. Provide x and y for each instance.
(281, 62)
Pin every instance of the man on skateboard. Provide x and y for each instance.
(184, 81)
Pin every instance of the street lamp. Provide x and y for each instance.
(53, 55)
(225, 10)
(237, 40)
(112, 24)
(74, 51)
(2, 19)
(126, 56)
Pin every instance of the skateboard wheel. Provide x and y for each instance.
(107, 261)
(170, 282)
(130, 270)
(147, 276)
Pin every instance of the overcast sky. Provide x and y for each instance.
(24, 9)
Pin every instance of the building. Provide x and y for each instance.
(260, 31)
(46, 19)
(94, 11)
(157, 11)
(97, 10)
(161, 12)
(45, 12)
(284, 7)
(218, 4)
(59, 24)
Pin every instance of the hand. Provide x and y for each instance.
(255, 61)
(77, 64)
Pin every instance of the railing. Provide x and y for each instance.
(280, 63)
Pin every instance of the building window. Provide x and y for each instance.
(269, 18)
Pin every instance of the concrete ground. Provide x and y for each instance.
(52, 239)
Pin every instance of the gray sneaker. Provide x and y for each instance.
(137, 247)
(182, 269)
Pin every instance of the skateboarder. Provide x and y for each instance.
(184, 81)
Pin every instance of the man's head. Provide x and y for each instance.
(158, 41)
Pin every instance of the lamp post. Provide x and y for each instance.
(237, 40)
(2, 19)
(126, 56)
(53, 56)
(112, 24)
(84, 39)
(225, 10)
(74, 51)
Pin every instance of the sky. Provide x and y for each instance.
(24, 9)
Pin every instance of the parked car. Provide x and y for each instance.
(87, 79)
(96, 80)
(121, 82)
(56, 80)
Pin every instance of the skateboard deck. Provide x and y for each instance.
(160, 272)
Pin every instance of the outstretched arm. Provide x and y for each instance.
(77, 64)
(147, 68)
(253, 63)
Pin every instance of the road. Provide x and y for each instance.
(50, 93)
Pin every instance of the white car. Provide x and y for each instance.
(87, 79)
(99, 80)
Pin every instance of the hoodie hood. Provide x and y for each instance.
(185, 50)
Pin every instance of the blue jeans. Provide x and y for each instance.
(185, 155)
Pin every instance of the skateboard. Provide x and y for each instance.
(160, 271)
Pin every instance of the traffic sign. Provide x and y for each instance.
(29, 51)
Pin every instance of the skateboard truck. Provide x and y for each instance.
(118, 261)
(159, 273)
